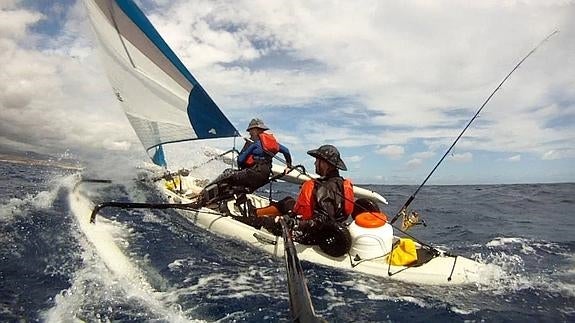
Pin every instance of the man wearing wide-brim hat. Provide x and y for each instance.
(323, 204)
(254, 161)
(257, 124)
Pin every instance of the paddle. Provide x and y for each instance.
(301, 307)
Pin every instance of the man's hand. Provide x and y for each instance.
(288, 169)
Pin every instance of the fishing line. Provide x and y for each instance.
(410, 199)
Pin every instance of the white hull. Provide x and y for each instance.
(102, 238)
(298, 177)
(441, 270)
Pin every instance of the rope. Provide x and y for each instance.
(452, 269)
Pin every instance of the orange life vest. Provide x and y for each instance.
(305, 202)
(269, 144)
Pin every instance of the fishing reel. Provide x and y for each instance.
(410, 219)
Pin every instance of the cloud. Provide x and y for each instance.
(118, 145)
(387, 77)
(14, 21)
(515, 158)
(423, 154)
(414, 163)
(354, 159)
(551, 155)
(464, 157)
(51, 99)
(391, 151)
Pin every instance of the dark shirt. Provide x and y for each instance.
(328, 208)
(329, 198)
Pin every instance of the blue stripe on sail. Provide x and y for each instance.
(159, 158)
(206, 118)
(207, 121)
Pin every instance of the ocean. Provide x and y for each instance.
(49, 272)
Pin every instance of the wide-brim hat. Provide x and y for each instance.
(330, 154)
(257, 123)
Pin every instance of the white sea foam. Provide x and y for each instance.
(514, 277)
(226, 285)
(526, 246)
(392, 291)
(572, 261)
(500, 241)
(94, 284)
(16, 206)
(107, 275)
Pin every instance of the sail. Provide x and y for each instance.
(162, 100)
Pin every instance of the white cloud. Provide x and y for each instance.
(364, 75)
(118, 145)
(464, 157)
(515, 158)
(52, 100)
(13, 21)
(551, 155)
(423, 154)
(354, 159)
(414, 163)
(391, 151)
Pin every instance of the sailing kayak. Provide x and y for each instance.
(369, 253)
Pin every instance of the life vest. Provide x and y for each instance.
(348, 201)
(270, 145)
(304, 205)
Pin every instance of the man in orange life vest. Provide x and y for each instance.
(255, 162)
(321, 202)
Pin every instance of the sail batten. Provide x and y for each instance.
(162, 100)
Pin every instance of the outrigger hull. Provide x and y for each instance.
(443, 269)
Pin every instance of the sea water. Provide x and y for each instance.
(50, 272)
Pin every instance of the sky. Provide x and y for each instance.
(390, 83)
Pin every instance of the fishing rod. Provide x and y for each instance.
(403, 209)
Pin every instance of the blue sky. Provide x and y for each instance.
(389, 83)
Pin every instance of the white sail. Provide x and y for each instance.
(162, 100)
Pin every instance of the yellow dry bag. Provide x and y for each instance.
(404, 253)
(174, 184)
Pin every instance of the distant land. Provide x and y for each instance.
(37, 159)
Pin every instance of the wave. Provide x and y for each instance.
(192, 275)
